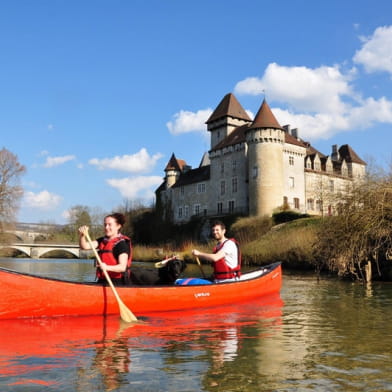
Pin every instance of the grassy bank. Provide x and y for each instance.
(261, 243)
(292, 243)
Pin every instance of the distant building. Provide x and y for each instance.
(255, 167)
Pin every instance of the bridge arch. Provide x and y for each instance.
(38, 253)
(23, 249)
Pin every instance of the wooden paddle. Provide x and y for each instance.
(201, 268)
(125, 314)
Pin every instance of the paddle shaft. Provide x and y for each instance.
(201, 268)
(125, 313)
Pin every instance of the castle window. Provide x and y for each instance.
(255, 171)
(331, 185)
(234, 184)
(308, 163)
(196, 209)
(180, 212)
(291, 160)
(222, 168)
(296, 203)
(231, 206)
(234, 166)
(310, 204)
(201, 188)
(285, 202)
(291, 182)
(319, 205)
(223, 187)
(220, 207)
(186, 211)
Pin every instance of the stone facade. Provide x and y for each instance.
(255, 167)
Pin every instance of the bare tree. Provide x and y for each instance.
(10, 190)
(360, 237)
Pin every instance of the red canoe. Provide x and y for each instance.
(24, 295)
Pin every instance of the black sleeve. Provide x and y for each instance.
(121, 247)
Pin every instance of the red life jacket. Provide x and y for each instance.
(221, 269)
(105, 250)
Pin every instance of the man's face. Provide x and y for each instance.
(218, 232)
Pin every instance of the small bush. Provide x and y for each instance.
(287, 216)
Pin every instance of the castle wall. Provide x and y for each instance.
(294, 177)
(228, 173)
(323, 191)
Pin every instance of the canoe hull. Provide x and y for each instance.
(26, 295)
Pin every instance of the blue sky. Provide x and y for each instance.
(95, 96)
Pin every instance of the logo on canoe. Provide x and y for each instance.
(197, 295)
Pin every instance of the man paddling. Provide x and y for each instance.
(226, 256)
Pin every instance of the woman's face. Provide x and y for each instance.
(112, 228)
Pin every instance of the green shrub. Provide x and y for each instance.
(287, 216)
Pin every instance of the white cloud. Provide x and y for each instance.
(141, 162)
(56, 161)
(186, 121)
(136, 187)
(324, 125)
(376, 53)
(321, 101)
(306, 89)
(43, 200)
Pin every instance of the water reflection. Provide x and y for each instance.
(104, 354)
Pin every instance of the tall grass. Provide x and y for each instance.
(292, 243)
(260, 243)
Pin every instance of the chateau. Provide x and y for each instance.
(254, 168)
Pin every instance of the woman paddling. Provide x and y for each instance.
(115, 250)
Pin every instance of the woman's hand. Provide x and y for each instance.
(83, 230)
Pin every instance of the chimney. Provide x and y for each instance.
(335, 153)
(294, 132)
(287, 128)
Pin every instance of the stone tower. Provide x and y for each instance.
(173, 170)
(265, 139)
(227, 116)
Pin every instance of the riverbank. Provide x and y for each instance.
(292, 243)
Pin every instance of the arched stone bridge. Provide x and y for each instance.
(35, 251)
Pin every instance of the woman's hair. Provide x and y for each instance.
(118, 217)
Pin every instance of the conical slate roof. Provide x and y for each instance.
(175, 164)
(229, 106)
(265, 118)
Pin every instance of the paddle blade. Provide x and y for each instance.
(126, 314)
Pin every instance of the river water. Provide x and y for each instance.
(317, 335)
